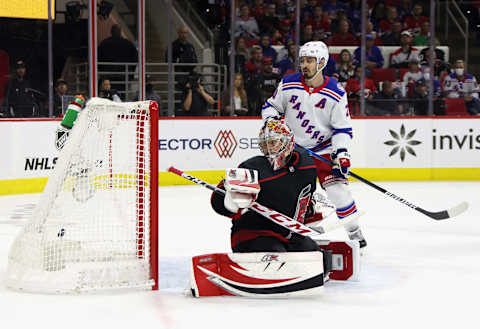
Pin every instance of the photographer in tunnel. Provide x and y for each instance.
(195, 99)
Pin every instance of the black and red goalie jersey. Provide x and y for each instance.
(287, 190)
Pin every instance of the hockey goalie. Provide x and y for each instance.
(269, 260)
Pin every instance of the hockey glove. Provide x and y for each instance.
(319, 209)
(242, 188)
(341, 163)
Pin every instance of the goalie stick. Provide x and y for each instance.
(439, 215)
(273, 215)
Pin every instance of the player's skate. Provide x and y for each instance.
(357, 235)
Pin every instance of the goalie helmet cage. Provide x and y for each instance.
(95, 226)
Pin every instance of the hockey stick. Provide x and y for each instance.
(271, 214)
(439, 215)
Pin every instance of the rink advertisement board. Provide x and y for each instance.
(383, 149)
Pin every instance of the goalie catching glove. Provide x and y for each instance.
(341, 163)
(319, 209)
(242, 188)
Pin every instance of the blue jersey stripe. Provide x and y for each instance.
(325, 94)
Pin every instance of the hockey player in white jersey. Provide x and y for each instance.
(315, 107)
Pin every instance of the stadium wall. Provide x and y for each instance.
(384, 149)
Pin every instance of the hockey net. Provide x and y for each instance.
(95, 226)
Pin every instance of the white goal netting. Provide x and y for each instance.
(92, 228)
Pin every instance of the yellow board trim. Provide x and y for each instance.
(36, 185)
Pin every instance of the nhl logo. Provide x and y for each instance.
(61, 136)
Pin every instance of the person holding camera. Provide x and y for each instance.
(195, 99)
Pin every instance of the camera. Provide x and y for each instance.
(193, 80)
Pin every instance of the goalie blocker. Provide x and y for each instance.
(273, 275)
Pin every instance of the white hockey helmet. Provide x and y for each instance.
(316, 49)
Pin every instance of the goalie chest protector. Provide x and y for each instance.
(287, 190)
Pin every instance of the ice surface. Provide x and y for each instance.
(417, 272)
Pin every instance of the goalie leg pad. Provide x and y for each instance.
(258, 275)
(345, 259)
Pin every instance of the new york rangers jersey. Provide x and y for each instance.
(319, 117)
(455, 88)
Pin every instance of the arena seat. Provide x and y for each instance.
(455, 106)
(4, 71)
(383, 75)
(401, 73)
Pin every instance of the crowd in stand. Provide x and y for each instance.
(265, 52)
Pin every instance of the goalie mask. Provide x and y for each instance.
(276, 143)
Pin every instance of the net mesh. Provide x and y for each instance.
(91, 228)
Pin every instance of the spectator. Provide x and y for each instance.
(414, 21)
(393, 37)
(241, 55)
(246, 26)
(258, 9)
(195, 99)
(267, 50)
(267, 82)
(116, 49)
(354, 12)
(106, 91)
(183, 52)
(414, 73)
(239, 97)
(402, 56)
(387, 102)
(423, 38)
(404, 9)
(286, 29)
(255, 64)
(283, 52)
(307, 11)
(330, 69)
(151, 94)
(374, 56)
(332, 7)
(440, 54)
(319, 21)
(353, 86)
(288, 63)
(420, 100)
(277, 38)
(386, 24)
(345, 66)
(378, 12)
(269, 21)
(19, 100)
(61, 89)
(460, 84)
(281, 9)
(335, 23)
(307, 34)
(440, 67)
(343, 37)
(369, 29)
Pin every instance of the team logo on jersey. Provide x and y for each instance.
(302, 204)
(225, 143)
(402, 142)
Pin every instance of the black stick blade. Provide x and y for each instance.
(452, 212)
